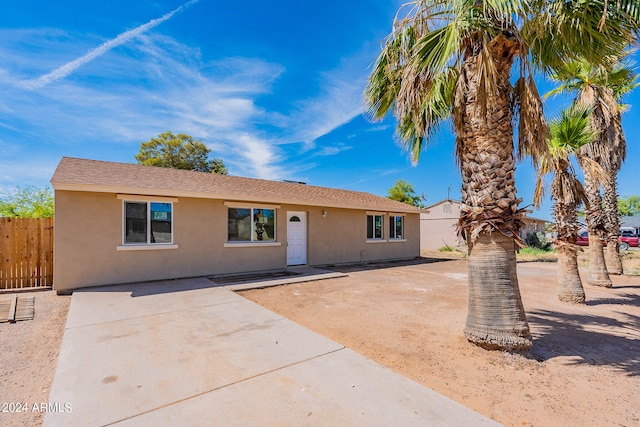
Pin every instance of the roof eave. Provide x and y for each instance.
(94, 188)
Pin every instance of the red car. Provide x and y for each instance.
(627, 240)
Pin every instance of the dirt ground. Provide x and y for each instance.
(28, 356)
(583, 369)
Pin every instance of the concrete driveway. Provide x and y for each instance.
(191, 352)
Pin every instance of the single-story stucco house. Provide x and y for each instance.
(119, 223)
(438, 225)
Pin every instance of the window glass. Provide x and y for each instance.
(148, 222)
(251, 225)
(374, 227)
(239, 228)
(135, 222)
(264, 224)
(396, 227)
(378, 226)
(160, 223)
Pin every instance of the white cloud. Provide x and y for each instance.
(332, 150)
(68, 68)
(339, 101)
(219, 102)
(32, 172)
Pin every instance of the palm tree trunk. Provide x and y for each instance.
(569, 283)
(598, 275)
(489, 213)
(495, 317)
(612, 224)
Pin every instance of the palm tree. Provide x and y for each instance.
(601, 88)
(455, 58)
(567, 135)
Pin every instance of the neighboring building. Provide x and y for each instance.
(630, 222)
(438, 225)
(532, 225)
(118, 223)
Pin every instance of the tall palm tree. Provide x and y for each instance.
(601, 88)
(568, 134)
(455, 58)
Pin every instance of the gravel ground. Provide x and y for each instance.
(583, 370)
(28, 358)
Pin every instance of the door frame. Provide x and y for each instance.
(304, 215)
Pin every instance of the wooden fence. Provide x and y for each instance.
(26, 252)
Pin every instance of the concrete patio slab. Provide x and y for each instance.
(341, 388)
(187, 352)
(299, 274)
(120, 302)
(114, 370)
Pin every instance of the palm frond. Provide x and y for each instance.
(567, 134)
(532, 129)
(564, 30)
(571, 131)
(436, 102)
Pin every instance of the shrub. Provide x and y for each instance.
(537, 241)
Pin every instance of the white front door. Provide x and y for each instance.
(296, 238)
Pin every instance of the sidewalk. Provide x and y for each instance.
(189, 352)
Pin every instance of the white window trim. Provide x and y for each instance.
(248, 205)
(253, 243)
(393, 239)
(148, 245)
(141, 199)
(381, 239)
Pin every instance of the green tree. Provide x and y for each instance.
(179, 152)
(629, 206)
(28, 202)
(454, 59)
(403, 192)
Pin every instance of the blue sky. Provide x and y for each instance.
(273, 88)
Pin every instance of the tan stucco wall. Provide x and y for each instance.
(341, 238)
(88, 230)
(438, 226)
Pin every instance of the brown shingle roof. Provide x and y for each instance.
(99, 176)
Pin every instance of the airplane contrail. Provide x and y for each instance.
(70, 67)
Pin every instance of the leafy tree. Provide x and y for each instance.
(179, 152)
(28, 202)
(403, 192)
(454, 58)
(629, 206)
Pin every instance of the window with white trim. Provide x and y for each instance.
(375, 229)
(148, 223)
(396, 227)
(251, 225)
